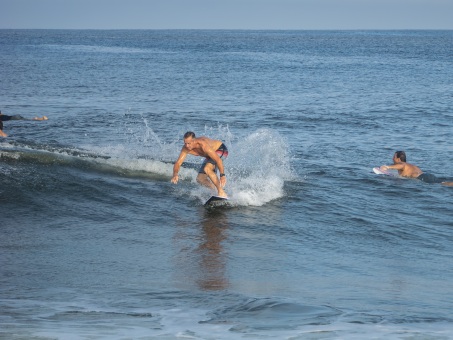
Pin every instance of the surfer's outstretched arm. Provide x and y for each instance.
(177, 166)
(19, 117)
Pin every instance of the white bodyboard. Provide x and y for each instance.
(377, 170)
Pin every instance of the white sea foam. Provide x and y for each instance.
(257, 166)
(188, 323)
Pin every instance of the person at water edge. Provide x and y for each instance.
(4, 118)
(410, 170)
(213, 151)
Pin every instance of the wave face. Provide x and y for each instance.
(258, 165)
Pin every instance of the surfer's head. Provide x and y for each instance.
(189, 134)
(188, 139)
(401, 155)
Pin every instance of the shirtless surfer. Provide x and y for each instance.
(213, 151)
(410, 170)
(4, 118)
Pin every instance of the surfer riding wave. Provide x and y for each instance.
(213, 151)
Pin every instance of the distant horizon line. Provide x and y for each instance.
(235, 29)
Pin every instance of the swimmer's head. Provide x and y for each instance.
(401, 155)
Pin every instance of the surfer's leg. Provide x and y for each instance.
(209, 169)
(204, 180)
(41, 118)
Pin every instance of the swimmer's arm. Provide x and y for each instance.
(394, 167)
(2, 134)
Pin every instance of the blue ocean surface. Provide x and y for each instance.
(97, 243)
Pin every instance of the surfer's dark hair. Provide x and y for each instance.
(401, 155)
(189, 134)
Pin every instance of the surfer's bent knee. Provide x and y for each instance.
(202, 178)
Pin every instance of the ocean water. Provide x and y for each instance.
(96, 243)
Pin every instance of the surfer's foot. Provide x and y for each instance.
(42, 118)
(222, 193)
